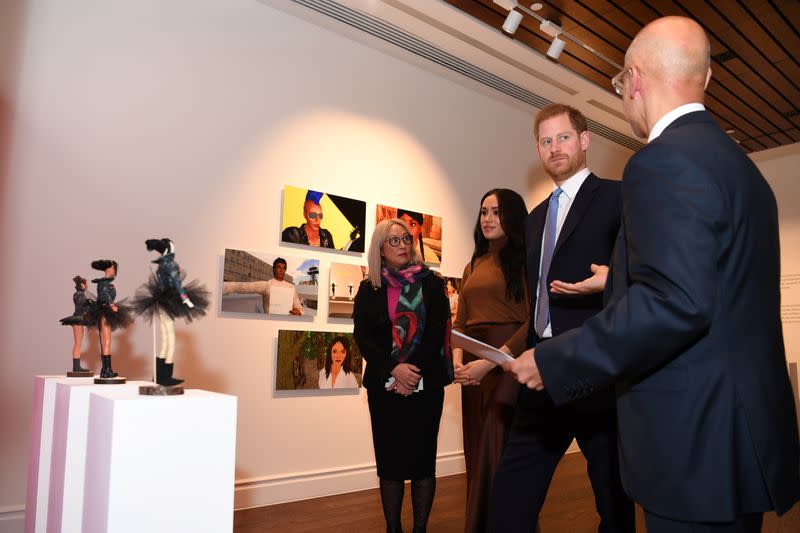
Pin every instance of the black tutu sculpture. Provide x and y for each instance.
(79, 320)
(166, 295)
(109, 315)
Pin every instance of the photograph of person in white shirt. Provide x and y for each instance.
(337, 373)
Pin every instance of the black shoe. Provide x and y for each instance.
(166, 377)
(106, 371)
(160, 369)
(76, 365)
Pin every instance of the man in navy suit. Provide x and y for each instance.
(569, 239)
(691, 335)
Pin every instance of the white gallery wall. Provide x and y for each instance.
(122, 121)
(779, 166)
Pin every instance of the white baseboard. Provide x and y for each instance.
(12, 519)
(269, 490)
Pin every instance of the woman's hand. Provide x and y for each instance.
(406, 375)
(114, 307)
(458, 364)
(458, 356)
(403, 391)
(461, 376)
(474, 371)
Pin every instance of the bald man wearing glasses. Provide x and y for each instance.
(692, 335)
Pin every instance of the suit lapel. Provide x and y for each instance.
(534, 235)
(579, 206)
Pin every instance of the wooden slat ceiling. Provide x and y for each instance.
(754, 92)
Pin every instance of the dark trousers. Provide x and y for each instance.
(748, 523)
(540, 434)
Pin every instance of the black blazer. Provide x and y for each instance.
(587, 237)
(692, 334)
(373, 333)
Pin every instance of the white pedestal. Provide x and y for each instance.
(68, 459)
(39, 449)
(159, 463)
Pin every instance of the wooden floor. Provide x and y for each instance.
(569, 509)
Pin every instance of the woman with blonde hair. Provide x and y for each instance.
(402, 327)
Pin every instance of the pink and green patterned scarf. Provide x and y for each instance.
(408, 325)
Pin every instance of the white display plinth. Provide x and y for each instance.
(159, 463)
(40, 449)
(68, 460)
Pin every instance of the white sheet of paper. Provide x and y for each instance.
(481, 349)
(280, 300)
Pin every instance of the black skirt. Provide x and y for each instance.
(73, 320)
(119, 319)
(150, 297)
(405, 430)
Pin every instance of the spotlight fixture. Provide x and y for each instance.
(560, 37)
(512, 22)
(556, 47)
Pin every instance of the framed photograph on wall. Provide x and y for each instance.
(453, 288)
(269, 284)
(425, 229)
(342, 288)
(317, 360)
(322, 220)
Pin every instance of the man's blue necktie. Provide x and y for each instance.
(549, 245)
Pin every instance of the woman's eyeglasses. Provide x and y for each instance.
(315, 216)
(394, 240)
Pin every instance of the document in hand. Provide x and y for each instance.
(481, 349)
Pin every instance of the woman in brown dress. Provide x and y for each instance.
(492, 308)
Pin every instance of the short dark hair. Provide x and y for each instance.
(576, 118)
(279, 260)
(79, 281)
(103, 264)
(159, 245)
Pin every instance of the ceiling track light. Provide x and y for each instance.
(560, 37)
(556, 47)
(512, 22)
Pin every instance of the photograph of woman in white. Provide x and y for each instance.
(337, 373)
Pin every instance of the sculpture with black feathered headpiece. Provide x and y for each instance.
(167, 295)
(109, 315)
